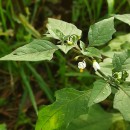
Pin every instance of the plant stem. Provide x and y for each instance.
(102, 74)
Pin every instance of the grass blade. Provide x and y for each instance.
(41, 83)
(27, 85)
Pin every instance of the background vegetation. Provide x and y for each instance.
(25, 86)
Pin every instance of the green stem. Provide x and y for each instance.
(115, 85)
(102, 74)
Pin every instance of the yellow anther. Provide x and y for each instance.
(81, 70)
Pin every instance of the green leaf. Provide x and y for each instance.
(119, 60)
(106, 66)
(66, 48)
(82, 45)
(124, 18)
(3, 127)
(59, 28)
(96, 119)
(101, 32)
(69, 104)
(118, 44)
(89, 51)
(37, 50)
(93, 52)
(122, 102)
(100, 92)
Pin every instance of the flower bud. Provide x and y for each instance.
(69, 42)
(96, 66)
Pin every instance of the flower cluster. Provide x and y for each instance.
(82, 65)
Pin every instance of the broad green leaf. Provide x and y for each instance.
(37, 50)
(120, 43)
(122, 102)
(96, 119)
(101, 90)
(106, 66)
(124, 18)
(117, 45)
(3, 127)
(58, 29)
(101, 32)
(119, 60)
(89, 51)
(93, 52)
(69, 104)
(66, 48)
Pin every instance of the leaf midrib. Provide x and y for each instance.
(64, 105)
(34, 52)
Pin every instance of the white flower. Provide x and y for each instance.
(96, 66)
(82, 66)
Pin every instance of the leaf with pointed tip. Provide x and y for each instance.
(122, 102)
(119, 60)
(58, 29)
(101, 32)
(118, 44)
(100, 92)
(37, 50)
(124, 18)
(70, 103)
(96, 119)
(82, 46)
